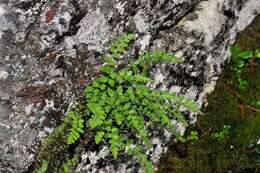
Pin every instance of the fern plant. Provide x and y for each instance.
(119, 104)
(77, 126)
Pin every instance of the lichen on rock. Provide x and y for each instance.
(49, 50)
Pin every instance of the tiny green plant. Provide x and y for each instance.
(223, 134)
(239, 58)
(119, 46)
(194, 135)
(77, 126)
(257, 103)
(67, 166)
(118, 103)
(257, 53)
(43, 168)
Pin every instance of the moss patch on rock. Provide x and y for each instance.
(227, 106)
(250, 37)
(54, 148)
(239, 151)
(61, 157)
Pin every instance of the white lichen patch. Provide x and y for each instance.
(3, 75)
(2, 12)
(28, 109)
(63, 26)
(120, 7)
(140, 23)
(144, 42)
(246, 15)
(209, 21)
(94, 30)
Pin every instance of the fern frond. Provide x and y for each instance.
(187, 103)
(119, 46)
(99, 136)
(137, 124)
(142, 158)
(77, 126)
(162, 56)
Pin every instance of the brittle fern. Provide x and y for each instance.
(119, 104)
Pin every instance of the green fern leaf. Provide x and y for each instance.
(77, 126)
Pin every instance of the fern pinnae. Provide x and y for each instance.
(119, 102)
(77, 126)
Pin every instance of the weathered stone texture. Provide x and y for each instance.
(49, 49)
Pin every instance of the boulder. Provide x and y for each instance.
(50, 49)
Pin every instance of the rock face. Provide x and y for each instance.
(49, 49)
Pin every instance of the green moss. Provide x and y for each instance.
(250, 37)
(68, 166)
(171, 164)
(43, 168)
(54, 148)
(61, 157)
(227, 105)
(208, 155)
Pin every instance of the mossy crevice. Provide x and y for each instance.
(61, 157)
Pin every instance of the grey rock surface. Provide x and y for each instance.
(49, 49)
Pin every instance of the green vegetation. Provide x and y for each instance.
(77, 125)
(116, 108)
(255, 154)
(194, 135)
(43, 167)
(223, 134)
(67, 167)
(118, 103)
(221, 148)
(239, 59)
(55, 149)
